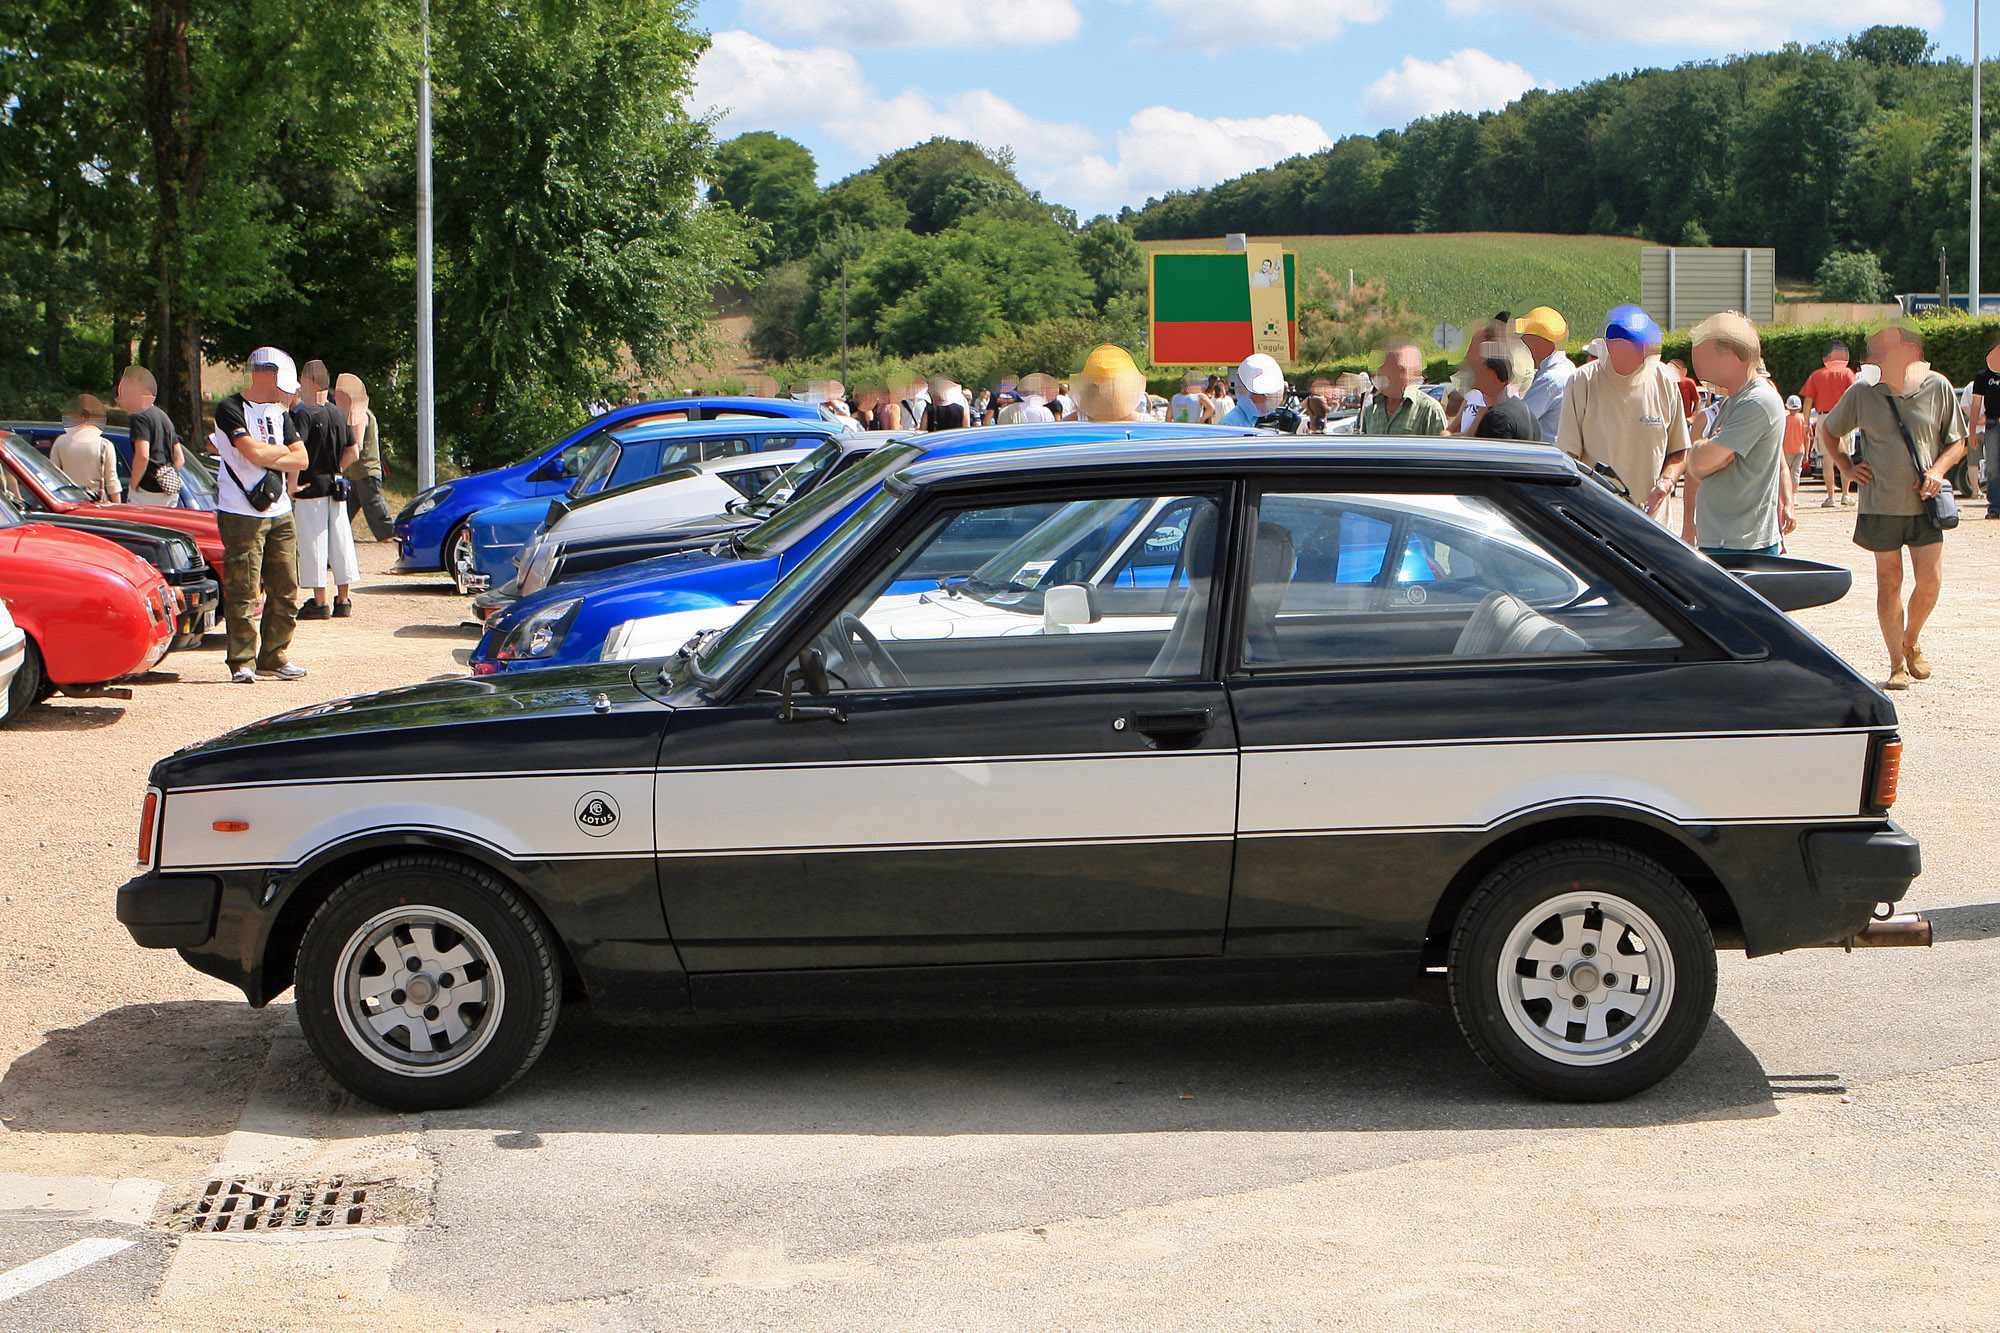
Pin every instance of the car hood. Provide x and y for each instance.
(438, 703)
(42, 541)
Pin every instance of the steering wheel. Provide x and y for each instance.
(856, 642)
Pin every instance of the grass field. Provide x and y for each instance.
(1464, 277)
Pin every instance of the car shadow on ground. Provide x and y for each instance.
(186, 1067)
(59, 714)
(426, 589)
(467, 633)
(1975, 921)
(181, 1068)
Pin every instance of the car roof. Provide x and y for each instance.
(1035, 440)
(655, 430)
(772, 407)
(1494, 458)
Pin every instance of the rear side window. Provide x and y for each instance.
(1341, 577)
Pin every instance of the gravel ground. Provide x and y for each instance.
(1830, 1156)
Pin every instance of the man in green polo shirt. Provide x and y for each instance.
(1400, 406)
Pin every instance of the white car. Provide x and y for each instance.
(13, 651)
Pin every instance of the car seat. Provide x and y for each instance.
(1505, 626)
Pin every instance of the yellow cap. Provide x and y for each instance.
(1544, 322)
(1108, 359)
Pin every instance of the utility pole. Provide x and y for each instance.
(843, 324)
(1978, 153)
(1944, 283)
(426, 368)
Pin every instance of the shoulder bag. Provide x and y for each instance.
(1941, 509)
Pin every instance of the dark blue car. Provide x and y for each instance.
(431, 531)
(572, 621)
(197, 481)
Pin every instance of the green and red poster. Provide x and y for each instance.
(1202, 307)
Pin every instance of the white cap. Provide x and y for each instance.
(1794, 403)
(270, 358)
(1260, 374)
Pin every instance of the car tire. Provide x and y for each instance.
(369, 1015)
(1582, 971)
(29, 686)
(458, 557)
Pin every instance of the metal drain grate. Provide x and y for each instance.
(245, 1205)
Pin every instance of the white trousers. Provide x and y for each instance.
(326, 540)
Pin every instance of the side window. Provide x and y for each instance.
(1355, 577)
(1036, 593)
(587, 457)
(751, 481)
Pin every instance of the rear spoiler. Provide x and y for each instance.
(1787, 583)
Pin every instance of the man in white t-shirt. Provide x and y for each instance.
(255, 435)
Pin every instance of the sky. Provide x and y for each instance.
(1107, 102)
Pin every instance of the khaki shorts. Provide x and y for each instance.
(1892, 532)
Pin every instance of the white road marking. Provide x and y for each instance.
(62, 1263)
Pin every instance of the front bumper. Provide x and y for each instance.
(201, 603)
(169, 911)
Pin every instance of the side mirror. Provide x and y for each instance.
(810, 672)
(553, 470)
(1068, 605)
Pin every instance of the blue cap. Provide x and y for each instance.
(1632, 324)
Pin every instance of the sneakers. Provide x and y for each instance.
(312, 610)
(289, 671)
(243, 675)
(342, 609)
(1829, 502)
(1898, 680)
(1846, 500)
(1920, 666)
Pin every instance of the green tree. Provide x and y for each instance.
(943, 181)
(572, 237)
(1112, 260)
(1335, 322)
(1886, 44)
(774, 180)
(1852, 275)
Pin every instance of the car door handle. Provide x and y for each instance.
(1175, 722)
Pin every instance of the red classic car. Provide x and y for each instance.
(92, 611)
(34, 484)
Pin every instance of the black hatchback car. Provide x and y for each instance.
(1143, 722)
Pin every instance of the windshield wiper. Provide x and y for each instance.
(688, 651)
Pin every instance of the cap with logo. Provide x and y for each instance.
(270, 358)
(1543, 322)
(1633, 325)
(1794, 404)
(1259, 374)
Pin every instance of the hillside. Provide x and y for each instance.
(1464, 277)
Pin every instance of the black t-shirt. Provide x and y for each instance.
(1986, 384)
(1508, 419)
(947, 416)
(324, 429)
(156, 429)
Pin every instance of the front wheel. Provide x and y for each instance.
(458, 558)
(425, 983)
(1582, 971)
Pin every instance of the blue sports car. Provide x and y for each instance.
(431, 532)
(635, 456)
(570, 622)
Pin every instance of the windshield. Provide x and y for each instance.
(725, 652)
(789, 523)
(797, 479)
(43, 471)
(9, 516)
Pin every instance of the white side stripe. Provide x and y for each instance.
(67, 1260)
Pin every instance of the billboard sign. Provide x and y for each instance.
(1215, 307)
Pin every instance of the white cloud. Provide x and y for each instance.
(766, 87)
(921, 23)
(1467, 80)
(1275, 23)
(1718, 25)
(1162, 149)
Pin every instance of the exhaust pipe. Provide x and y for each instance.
(1906, 930)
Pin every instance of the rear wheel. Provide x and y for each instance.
(458, 558)
(29, 685)
(426, 983)
(1582, 971)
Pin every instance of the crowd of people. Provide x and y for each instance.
(299, 455)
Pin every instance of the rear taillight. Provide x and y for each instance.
(1888, 768)
(148, 819)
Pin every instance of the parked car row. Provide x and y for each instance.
(94, 591)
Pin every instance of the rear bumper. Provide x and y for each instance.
(169, 911)
(1863, 866)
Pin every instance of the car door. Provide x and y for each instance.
(1422, 666)
(1025, 769)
